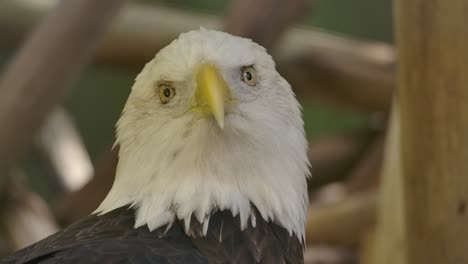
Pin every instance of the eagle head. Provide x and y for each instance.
(211, 125)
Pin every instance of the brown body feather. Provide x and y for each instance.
(111, 238)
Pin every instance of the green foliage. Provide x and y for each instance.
(96, 103)
(370, 19)
(322, 120)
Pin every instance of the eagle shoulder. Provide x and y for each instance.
(112, 238)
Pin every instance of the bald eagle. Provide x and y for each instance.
(212, 165)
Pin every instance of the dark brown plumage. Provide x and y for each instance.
(111, 238)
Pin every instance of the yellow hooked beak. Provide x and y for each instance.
(212, 92)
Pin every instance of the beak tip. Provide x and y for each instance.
(220, 121)
(212, 92)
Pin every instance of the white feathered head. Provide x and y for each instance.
(211, 125)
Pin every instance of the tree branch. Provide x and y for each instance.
(62, 148)
(25, 217)
(343, 72)
(87, 199)
(342, 222)
(263, 21)
(51, 59)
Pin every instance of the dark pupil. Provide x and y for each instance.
(167, 92)
(248, 76)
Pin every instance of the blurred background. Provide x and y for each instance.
(80, 63)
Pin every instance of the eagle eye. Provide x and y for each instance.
(166, 92)
(249, 75)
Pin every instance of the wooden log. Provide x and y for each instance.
(263, 21)
(432, 40)
(342, 222)
(366, 172)
(332, 157)
(132, 39)
(329, 255)
(61, 147)
(26, 218)
(342, 72)
(88, 198)
(354, 200)
(356, 74)
(45, 67)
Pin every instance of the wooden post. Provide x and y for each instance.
(386, 243)
(432, 41)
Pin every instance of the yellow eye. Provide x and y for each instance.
(166, 92)
(249, 75)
